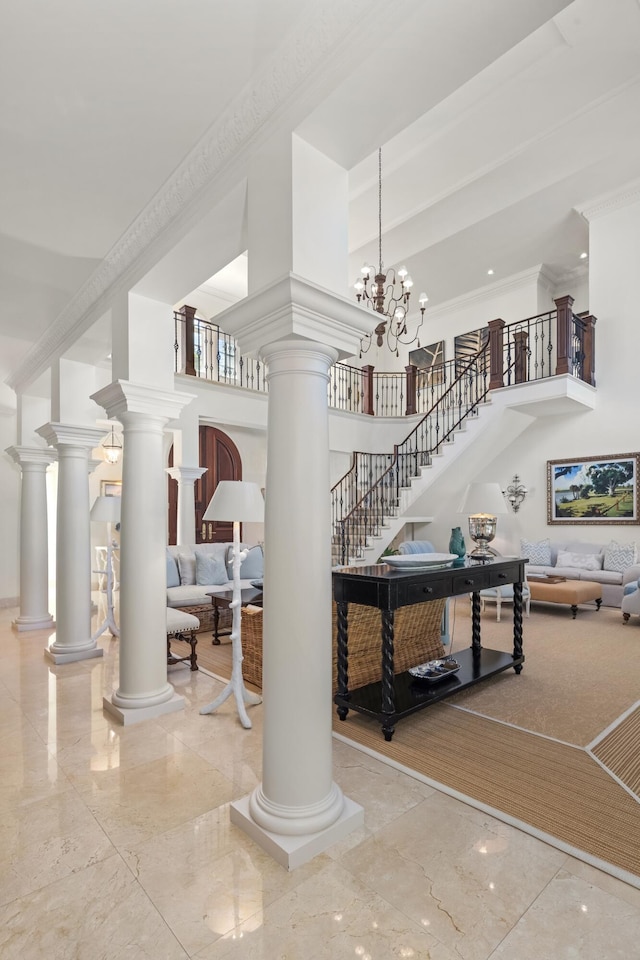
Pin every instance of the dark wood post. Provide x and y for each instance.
(520, 339)
(367, 389)
(564, 334)
(189, 314)
(412, 372)
(496, 354)
(589, 350)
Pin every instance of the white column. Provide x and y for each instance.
(73, 542)
(186, 519)
(297, 810)
(34, 540)
(143, 689)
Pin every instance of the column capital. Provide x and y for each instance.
(298, 356)
(190, 474)
(38, 456)
(295, 307)
(123, 396)
(70, 434)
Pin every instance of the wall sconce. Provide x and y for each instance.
(112, 447)
(515, 493)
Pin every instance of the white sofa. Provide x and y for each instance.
(195, 570)
(611, 564)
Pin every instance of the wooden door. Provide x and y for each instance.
(219, 454)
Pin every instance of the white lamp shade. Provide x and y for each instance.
(236, 500)
(482, 498)
(106, 509)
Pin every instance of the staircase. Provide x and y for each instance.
(372, 497)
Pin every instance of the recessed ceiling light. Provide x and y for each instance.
(584, 255)
(490, 272)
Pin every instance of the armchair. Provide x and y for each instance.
(631, 600)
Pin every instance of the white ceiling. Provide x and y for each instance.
(497, 119)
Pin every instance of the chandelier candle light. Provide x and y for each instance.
(240, 502)
(378, 291)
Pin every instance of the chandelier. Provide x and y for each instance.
(380, 292)
(112, 447)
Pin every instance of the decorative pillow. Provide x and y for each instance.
(210, 570)
(187, 568)
(619, 556)
(173, 574)
(537, 552)
(252, 567)
(584, 561)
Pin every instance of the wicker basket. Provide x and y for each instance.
(416, 640)
(204, 613)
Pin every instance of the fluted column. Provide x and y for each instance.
(298, 801)
(186, 519)
(143, 690)
(73, 542)
(34, 540)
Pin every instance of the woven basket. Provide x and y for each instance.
(416, 640)
(204, 613)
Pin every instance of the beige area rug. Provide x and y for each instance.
(619, 751)
(498, 744)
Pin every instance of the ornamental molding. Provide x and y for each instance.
(123, 397)
(186, 474)
(610, 202)
(316, 45)
(70, 434)
(295, 307)
(38, 456)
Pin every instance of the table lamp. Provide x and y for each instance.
(107, 510)
(240, 502)
(483, 502)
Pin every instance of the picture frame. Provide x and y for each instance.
(430, 360)
(467, 345)
(111, 488)
(594, 490)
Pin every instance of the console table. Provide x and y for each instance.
(388, 589)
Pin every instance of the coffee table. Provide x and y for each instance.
(222, 601)
(571, 592)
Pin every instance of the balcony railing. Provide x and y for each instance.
(549, 344)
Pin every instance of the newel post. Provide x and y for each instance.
(564, 334)
(367, 389)
(520, 339)
(496, 354)
(589, 350)
(412, 372)
(189, 314)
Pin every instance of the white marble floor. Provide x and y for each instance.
(116, 843)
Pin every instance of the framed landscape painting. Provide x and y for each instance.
(593, 490)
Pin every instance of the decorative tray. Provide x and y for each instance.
(420, 561)
(435, 670)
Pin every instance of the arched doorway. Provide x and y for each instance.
(219, 454)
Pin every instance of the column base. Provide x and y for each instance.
(71, 655)
(34, 623)
(129, 715)
(292, 851)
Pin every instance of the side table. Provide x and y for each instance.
(222, 601)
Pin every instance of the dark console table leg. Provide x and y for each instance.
(476, 645)
(388, 703)
(216, 622)
(342, 665)
(517, 623)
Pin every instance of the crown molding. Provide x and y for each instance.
(609, 202)
(70, 434)
(123, 396)
(41, 456)
(489, 291)
(315, 45)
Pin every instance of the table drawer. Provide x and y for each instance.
(419, 592)
(480, 579)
